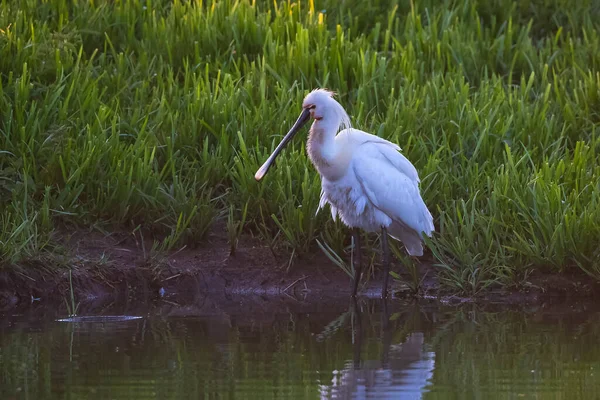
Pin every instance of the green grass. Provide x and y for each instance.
(155, 115)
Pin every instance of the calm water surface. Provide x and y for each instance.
(258, 349)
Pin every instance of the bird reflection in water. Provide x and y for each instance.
(403, 370)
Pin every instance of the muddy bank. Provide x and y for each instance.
(119, 268)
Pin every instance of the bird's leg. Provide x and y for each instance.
(356, 260)
(385, 254)
(356, 332)
(386, 334)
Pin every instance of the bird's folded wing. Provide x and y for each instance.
(390, 182)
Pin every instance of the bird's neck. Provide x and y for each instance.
(322, 149)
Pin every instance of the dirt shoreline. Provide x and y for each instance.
(116, 268)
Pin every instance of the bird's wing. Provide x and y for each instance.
(391, 184)
(390, 151)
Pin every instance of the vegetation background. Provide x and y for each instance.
(153, 116)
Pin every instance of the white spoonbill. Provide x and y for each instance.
(364, 178)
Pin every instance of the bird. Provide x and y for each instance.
(365, 179)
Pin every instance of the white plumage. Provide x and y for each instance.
(365, 179)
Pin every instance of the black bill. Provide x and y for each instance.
(302, 119)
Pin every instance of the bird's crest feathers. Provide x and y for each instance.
(323, 99)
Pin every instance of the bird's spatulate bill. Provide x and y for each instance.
(302, 119)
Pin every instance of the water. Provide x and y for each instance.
(260, 349)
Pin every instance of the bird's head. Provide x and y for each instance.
(318, 102)
(318, 105)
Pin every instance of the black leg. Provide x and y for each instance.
(386, 334)
(356, 259)
(385, 253)
(357, 332)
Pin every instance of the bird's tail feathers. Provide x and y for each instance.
(409, 238)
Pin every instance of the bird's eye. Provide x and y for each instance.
(311, 107)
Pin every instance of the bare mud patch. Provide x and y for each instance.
(119, 267)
